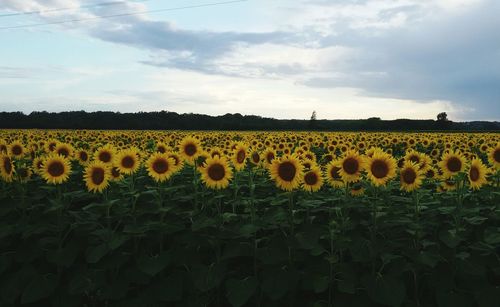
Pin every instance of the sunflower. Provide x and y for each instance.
(448, 185)
(55, 169)
(411, 176)
(3, 147)
(190, 149)
(23, 174)
(105, 154)
(381, 167)
(6, 168)
(16, 149)
(313, 180)
(357, 189)
(255, 158)
(115, 174)
(494, 156)
(127, 161)
(333, 174)
(83, 156)
(37, 164)
(216, 173)
(64, 150)
(178, 163)
(160, 166)
(239, 157)
(269, 156)
(286, 171)
(215, 152)
(97, 175)
(413, 156)
(161, 147)
(308, 164)
(452, 163)
(351, 166)
(477, 174)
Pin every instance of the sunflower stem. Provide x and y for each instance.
(252, 217)
(195, 186)
(160, 208)
(291, 225)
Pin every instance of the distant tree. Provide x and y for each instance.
(312, 121)
(313, 116)
(442, 117)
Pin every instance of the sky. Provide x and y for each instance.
(344, 59)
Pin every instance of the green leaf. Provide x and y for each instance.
(346, 286)
(202, 223)
(277, 283)
(153, 265)
(240, 291)
(451, 299)
(449, 238)
(208, 277)
(95, 253)
(117, 240)
(492, 236)
(489, 297)
(167, 289)
(248, 230)
(40, 287)
(65, 256)
(385, 290)
(475, 220)
(320, 283)
(428, 258)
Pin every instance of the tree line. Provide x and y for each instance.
(165, 120)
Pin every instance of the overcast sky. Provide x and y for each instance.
(279, 58)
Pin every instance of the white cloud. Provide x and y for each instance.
(344, 59)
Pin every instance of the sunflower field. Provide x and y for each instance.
(171, 218)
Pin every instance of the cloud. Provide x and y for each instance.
(454, 58)
(409, 56)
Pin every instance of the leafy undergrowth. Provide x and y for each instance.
(180, 244)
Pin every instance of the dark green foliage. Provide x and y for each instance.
(331, 250)
(171, 120)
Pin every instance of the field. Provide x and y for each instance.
(124, 218)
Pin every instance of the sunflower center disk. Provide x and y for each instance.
(98, 176)
(115, 172)
(216, 172)
(128, 162)
(160, 166)
(240, 157)
(270, 157)
(414, 159)
(379, 169)
(350, 166)
(409, 176)
(310, 179)
(63, 152)
(454, 164)
(496, 155)
(56, 169)
(105, 157)
(474, 174)
(16, 150)
(287, 171)
(7, 165)
(255, 157)
(190, 149)
(84, 156)
(335, 173)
